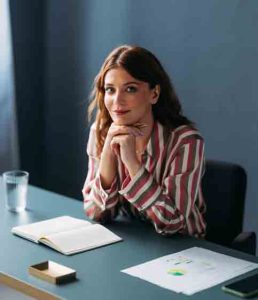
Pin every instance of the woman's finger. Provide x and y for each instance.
(113, 147)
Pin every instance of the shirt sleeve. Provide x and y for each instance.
(169, 204)
(99, 204)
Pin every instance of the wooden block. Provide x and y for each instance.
(53, 272)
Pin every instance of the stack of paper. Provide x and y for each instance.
(192, 270)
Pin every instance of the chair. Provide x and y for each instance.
(224, 187)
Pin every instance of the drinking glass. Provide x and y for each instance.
(15, 188)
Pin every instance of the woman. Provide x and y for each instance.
(145, 158)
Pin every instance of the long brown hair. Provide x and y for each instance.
(142, 65)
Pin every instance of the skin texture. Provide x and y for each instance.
(129, 102)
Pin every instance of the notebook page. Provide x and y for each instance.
(36, 230)
(81, 239)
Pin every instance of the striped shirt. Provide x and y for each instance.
(166, 190)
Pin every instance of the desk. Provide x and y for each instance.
(98, 270)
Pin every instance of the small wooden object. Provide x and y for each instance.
(53, 272)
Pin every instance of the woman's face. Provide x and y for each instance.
(128, 100)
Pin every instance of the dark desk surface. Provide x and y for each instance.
(98, 270)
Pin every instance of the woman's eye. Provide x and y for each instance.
(131, 89)
(109, 90)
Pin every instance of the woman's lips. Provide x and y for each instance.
(120, 112)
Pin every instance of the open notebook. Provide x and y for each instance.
(67, 235)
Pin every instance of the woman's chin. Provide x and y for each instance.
(122, 122)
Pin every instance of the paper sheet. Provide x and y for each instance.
(192, 270)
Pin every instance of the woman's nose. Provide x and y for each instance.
(118, 98)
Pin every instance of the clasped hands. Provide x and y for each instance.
(121, 141)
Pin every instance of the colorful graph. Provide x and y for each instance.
(177, 272)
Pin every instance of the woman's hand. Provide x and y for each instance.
(108, 164)
(119, 130)
(123, 143)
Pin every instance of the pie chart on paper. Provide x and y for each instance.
(177, 272)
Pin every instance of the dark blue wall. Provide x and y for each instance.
(28, 22)
(209, 48)
(67, 86)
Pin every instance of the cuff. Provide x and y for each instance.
(105, 198)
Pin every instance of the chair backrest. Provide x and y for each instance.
(224, 187)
